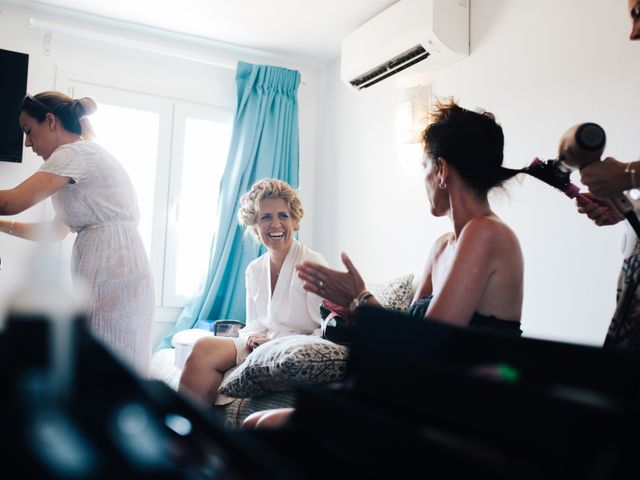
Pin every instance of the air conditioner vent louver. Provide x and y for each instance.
(404, 45)
(393, 66)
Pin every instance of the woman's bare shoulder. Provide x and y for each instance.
(490, 234)
(489, 226)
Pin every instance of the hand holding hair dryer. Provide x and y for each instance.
(581, 145)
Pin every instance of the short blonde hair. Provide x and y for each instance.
(268, 188)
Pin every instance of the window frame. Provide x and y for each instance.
(170, 151)
(182, 112)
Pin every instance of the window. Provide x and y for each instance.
(201, 143)
(175, 153)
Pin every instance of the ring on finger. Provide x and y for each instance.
(320, 284)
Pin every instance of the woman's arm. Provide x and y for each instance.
(470, 271)
(338, 287)
(425, 284)
(34, 189)
(34, 230)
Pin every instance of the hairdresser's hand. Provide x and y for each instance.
(601, 211)
(606, 179)
(337, 287)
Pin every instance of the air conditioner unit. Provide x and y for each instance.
(402, 46)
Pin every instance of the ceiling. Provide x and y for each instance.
(304, 29)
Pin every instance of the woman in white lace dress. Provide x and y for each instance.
(92, 196)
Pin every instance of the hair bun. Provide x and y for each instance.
(84, 106)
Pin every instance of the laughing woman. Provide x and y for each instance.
(277, 304)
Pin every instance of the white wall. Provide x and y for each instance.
(540, 67)
(73, 57)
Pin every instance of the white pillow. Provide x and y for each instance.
(395, 294)
(163, 367)
(184, 340)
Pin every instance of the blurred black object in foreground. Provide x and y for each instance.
(421, 397)
(445, 402)
(110, 424)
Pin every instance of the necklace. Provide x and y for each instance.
(273, 269)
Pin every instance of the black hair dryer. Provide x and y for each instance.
(581, 145)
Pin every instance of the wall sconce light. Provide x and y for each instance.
(412, 114)
(412, 117)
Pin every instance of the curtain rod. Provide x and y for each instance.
(184, 54)
(181, 53)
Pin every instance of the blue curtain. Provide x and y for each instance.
(264, 143)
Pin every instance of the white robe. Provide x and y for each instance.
(291, 310)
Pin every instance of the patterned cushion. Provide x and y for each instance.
(285, 363)
(396, 294)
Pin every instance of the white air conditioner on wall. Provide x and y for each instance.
(402, 46)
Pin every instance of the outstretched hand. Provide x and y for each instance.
(337, 287)
(601, 211)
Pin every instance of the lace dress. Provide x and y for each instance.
(100, 205)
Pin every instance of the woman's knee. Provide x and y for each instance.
(274, 419)
(212, 352)
(252, 420)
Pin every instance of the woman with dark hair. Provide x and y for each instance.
(474, 274)
(92, 196)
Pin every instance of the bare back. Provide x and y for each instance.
(479, 272)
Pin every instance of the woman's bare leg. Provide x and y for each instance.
(272, 418)
(252, 420)
(205, 367)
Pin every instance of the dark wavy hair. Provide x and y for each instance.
(71, 112)
(471, 142)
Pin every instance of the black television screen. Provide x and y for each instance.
(13, 87)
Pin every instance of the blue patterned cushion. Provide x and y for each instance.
(286, 363)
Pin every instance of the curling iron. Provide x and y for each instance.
(581, 145)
